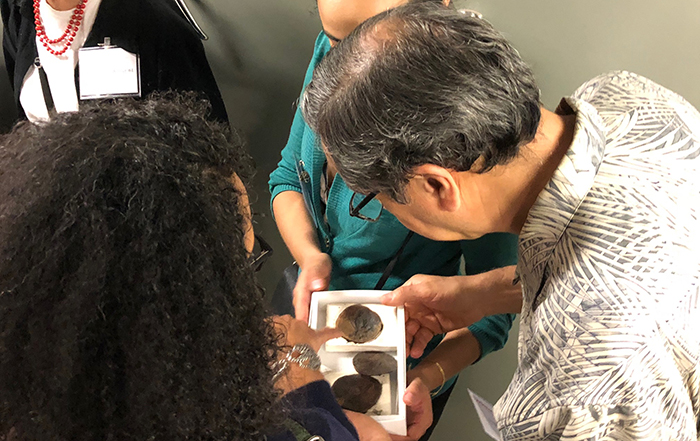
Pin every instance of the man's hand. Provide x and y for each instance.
(315, 276)
(435, 305)
(419, 410)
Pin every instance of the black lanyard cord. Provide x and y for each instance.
(45, 88)
(392, 264)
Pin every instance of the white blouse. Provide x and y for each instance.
(60, 69)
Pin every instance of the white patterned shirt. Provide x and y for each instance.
(609, 260)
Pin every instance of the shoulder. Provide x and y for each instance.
(8, 4)
(321, 48)
(11, 7)
(622, 89)
(622, 97)
(163, 19)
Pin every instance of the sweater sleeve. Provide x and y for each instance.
(284, 177)
(314, 407)
(484, 254)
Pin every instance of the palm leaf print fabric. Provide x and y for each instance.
(609, 260)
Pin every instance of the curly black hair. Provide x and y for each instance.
(128, 309)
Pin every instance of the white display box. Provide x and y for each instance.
(336, 355)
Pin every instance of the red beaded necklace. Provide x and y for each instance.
(68, 35)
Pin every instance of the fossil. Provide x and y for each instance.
(374, 363)
(359, 324)
(357, 392)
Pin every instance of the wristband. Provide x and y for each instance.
(444, 379)
(302, 355)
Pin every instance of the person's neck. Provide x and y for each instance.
(63, 5)
(519, 183)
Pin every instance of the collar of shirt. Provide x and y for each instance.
(557, 203)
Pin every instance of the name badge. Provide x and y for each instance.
(108, 71)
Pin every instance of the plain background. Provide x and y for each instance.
(259, 51)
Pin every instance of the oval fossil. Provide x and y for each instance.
(359, 324)
(374, 363)
(357, 392)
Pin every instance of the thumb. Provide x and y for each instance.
(414, 392)
(319, 284)
(319, 277)
(399, 297)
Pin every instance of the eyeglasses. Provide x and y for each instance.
(363, 210)
(261, 253)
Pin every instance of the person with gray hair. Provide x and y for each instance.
(437, 114)
(342, 241)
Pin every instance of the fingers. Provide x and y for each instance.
(301, 301)
(416, 395)
(412, 327)
(417, 400)
(318, 274)
(315, 276)
(418, 289)
(420, 341)
(399, 296)
(326, 334)
(367, 428)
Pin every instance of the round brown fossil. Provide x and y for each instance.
(357, 392)
(374, 363)
(359, 324)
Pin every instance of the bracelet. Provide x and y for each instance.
(444, 379)
(305, 357)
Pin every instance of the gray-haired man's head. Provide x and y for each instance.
(420, 84)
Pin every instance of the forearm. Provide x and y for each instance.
(503, 297)
(295, 226)
(457, 350)
(503, 300)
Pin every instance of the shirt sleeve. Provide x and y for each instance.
(644, 398)
(484, 254)
(284, 177)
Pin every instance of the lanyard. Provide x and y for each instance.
(390, 267)
(305, 184)
(45, 88)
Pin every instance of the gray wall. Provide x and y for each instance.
(259, 52)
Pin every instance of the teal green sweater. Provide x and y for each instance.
(360, 250)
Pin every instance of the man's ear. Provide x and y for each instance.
(439, 183)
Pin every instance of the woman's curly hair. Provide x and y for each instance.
(128, 309)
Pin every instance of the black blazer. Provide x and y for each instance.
(172, 56)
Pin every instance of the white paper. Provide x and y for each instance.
(108, 72)
(485, 411)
